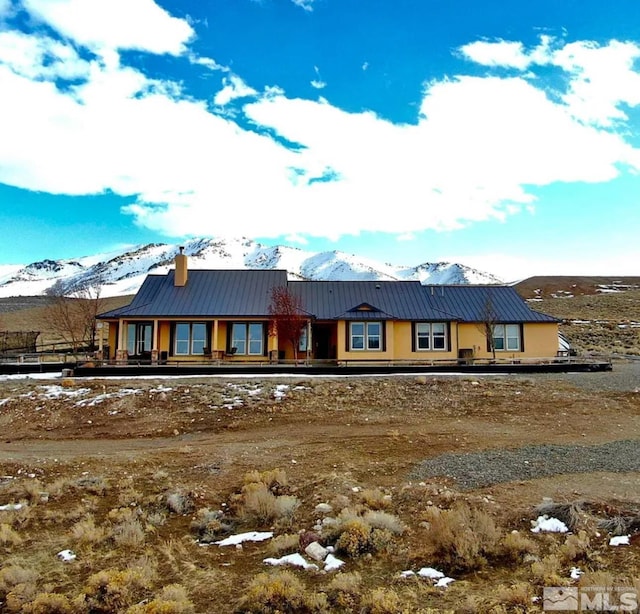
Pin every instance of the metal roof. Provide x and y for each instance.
(222, 293)
(246, 293)
(477, 303)
(359, 300)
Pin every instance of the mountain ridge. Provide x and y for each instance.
(121, 272)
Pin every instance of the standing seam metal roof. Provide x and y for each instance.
(247, 293)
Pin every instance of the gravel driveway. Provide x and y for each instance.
(478, 469)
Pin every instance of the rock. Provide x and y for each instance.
(316, 551)
(323, 508)
(308, 537)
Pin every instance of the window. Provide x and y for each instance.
(248, 338)
(366, 336)
(139, 337)
(190, 338)
(430, 336)
(506, 337)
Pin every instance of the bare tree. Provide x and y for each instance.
(72, 315)
(487, 325)
(288, 317)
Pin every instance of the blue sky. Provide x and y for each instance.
(505, 136)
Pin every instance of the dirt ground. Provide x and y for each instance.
(332, 436)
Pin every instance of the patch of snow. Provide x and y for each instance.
(619, 540)
(11, 507)
(280, 391)
(4, 401)
(55, 392)
(66, 555)
(575, 573)
(430, 572)
(296, 560)
(332, 562)
(548, 525)
(124, 392)
(251, 536)
(444, 582)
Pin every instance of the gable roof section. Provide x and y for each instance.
(224, 293)
(472, 303)
(386, 300)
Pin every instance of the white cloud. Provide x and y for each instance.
(209, 63)
(234, 87)
(478, 145)
(501, 53)
(318, 83)
(601, 78)
(115, 24)
(307, 5)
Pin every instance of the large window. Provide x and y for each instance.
(247, 338)
(431, 336)
(506, 337)
(190, 338)
(366, 336)
(139, 338)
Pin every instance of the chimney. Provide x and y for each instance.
(180, 278)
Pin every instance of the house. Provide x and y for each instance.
(226, 315)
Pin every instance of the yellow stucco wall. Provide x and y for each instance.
(540, 341)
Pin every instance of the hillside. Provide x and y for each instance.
(122, 272)
(599, 314)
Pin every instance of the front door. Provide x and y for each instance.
(323, 341)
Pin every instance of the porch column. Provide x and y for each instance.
(121, 351)
(154, 343)
(214, 341)
(309, 341)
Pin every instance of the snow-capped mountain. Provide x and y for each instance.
(122, 272)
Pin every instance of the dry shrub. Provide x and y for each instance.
(382, 601)
(286, 506)
(375, 499)
(515, 598)
(462, 538)
(284, 544)
(19, 596)
(28, 490)
(274, 479)
(112, 591)
(95, 485)
(173, 599)
(280, 592)
(208, 525)
(13, 575)
(602, 579)
(344, 591)
(515, 545)
(86, 532)
(9, 537)
(547, 571)
(261, 505)
(155, 519)
(48, 603)
(179, 502)
(385, 521)
(129, 533)
(575, 547)
(355, 538)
